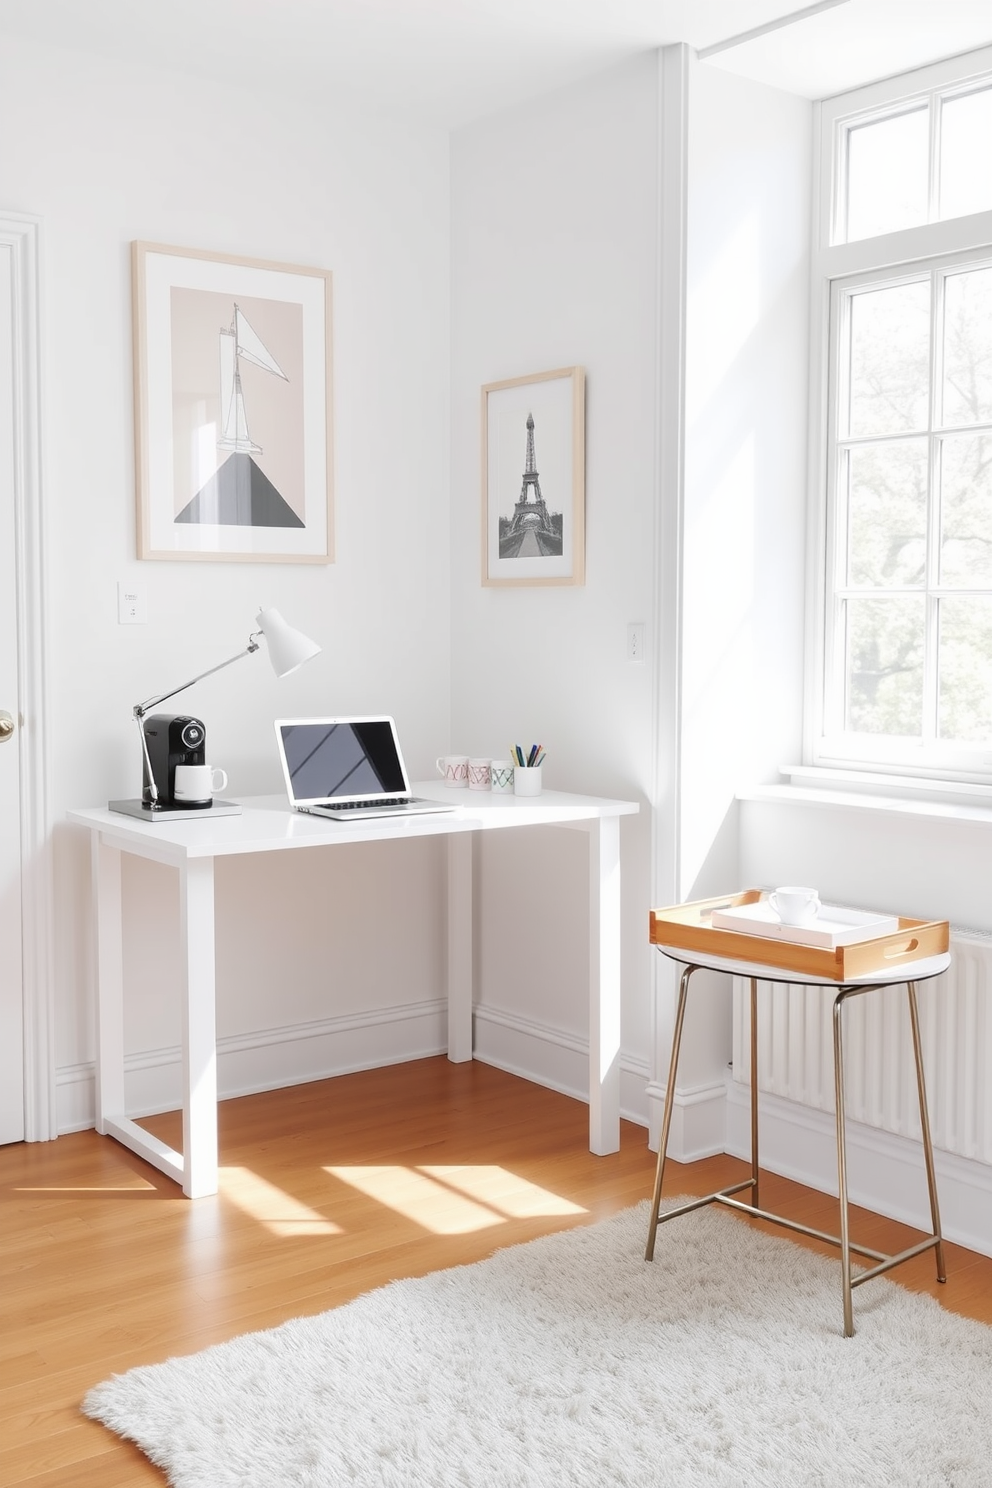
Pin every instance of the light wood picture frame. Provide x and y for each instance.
(533, 479)
(233, 418)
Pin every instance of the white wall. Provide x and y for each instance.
(554, 264)
(745, 464)
(743, 515)
(105, 154)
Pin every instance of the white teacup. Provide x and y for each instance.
(454, 768)
(795, 906)
(198, 783)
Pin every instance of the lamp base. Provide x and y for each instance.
(145, 812)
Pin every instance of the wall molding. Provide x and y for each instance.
(273, 1058)
(22, 235)
(699, 1120)
(885, 1171)
(266, 1059)
(554, 1058)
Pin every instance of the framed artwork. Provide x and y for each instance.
(233, 413)
(533, 479)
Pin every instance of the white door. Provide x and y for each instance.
(11, 977)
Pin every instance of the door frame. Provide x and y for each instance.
(22, 234)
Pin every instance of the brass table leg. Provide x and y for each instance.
(914, 1018)
(845, 1234)
(754, 1093)
(669, 1103)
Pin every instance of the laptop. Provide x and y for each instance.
(347, 768)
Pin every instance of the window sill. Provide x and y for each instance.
(897, 795)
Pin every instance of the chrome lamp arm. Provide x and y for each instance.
(140, 710)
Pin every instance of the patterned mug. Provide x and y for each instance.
(454, 768)
(501, 777)
(478, 775)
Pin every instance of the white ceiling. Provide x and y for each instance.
(451, 61)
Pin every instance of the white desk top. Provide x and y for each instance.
(266, 823)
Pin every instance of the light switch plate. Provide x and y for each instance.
(635, 640)
(130, 605)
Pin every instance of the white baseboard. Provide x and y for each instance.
(296, 1054)
(553, 1058)
(885, 1173)
(267, 1060)
(699, 1120)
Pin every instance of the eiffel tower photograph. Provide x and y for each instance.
(533, 531)
(534, 492)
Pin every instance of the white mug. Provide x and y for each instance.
(479, 777)
(794, 906)
(196, 783)
(501, 777)
(454, 768)
(527, 780)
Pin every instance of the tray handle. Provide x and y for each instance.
(904, 948)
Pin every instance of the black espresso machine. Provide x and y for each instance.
(171, 739)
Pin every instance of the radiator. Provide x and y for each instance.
(795, 1050)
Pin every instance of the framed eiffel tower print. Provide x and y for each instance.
(533, 479)
(233, 413)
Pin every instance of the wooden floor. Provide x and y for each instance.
(328, 1190)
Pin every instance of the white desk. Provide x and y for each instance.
(267, 825)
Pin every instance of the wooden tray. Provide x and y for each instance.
(687, 927)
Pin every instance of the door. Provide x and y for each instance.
(11, 960)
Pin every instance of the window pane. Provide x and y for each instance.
(968, 347)
(966, 154)
(887, 514)
(890, 359)
(966, 511)
(965, 658)
(887, 170)
(885, 666)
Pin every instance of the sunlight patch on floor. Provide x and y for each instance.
(81, 1188)
(505, 1191)
(455, 1199)
(277, 1210)
(429, 1204)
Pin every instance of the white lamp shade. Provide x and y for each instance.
(288, 648)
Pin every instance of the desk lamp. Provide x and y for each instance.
(288, 649)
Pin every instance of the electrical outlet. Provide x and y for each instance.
(635, 640)
(130, 605)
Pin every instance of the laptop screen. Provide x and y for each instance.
(340, 759)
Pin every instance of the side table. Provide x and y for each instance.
(910, 973)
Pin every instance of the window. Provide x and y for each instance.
(928, 162)
(905, 564)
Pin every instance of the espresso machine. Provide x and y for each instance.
(171, 739)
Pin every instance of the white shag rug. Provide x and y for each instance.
(569, 1362)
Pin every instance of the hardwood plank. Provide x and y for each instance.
(105, 1265)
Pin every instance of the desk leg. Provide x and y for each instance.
(109, 984)
(604, 985)
(459, 970)
(196, 897)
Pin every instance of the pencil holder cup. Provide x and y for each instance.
(527, 780)
(501, 776)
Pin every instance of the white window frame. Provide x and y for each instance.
(890, 257)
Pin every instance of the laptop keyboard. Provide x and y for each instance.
(364, 805)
